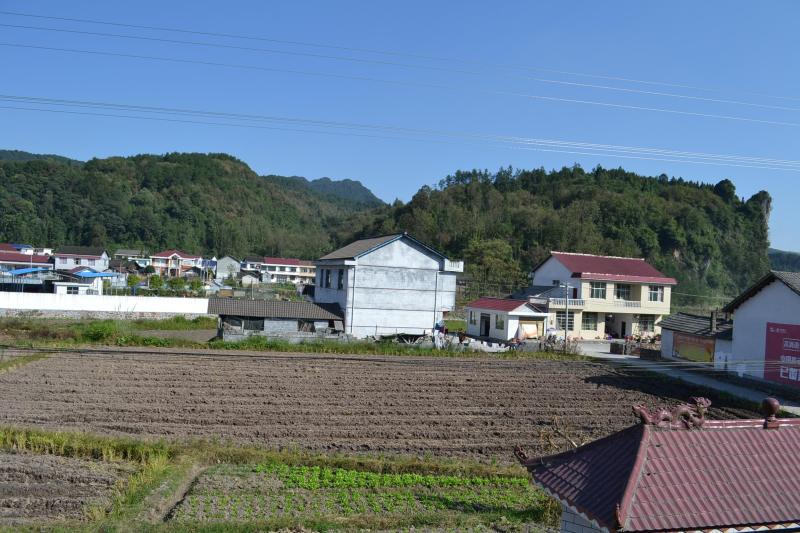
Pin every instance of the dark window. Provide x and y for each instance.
(232, 321)
(589, 321)
(327, 283)
(72, 290)
(340, 284)
(598, 290)
(560, 318)
(254, 324)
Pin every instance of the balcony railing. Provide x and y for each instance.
(562, 302)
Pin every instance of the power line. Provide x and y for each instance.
(406, 83)
(527, 143)
(406, 65)
(378, 52)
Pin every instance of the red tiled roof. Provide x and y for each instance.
(16, 257)
(729, 474)
(7, 247)
(497, 304)
(603, 267)
(179, 253)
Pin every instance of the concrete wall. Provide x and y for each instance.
(18, 301)
(774, 303)
(572, 522)
(226, 267)
(552, 269)
(398, 288)
(282, 328)
(667, 340)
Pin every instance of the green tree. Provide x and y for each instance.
(492, 262)
(133, 280)
(156, 282)
(177, 284)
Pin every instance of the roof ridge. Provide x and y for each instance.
(598, 255)
(623, 507)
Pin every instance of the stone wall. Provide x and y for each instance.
(572, 522)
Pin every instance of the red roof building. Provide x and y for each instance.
(16, 259)
(598, 296)
(677, 471)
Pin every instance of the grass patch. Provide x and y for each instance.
(315, 491)
(14, 362)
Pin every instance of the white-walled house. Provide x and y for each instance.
(504, 319)
(387, 285)
(174, 263)
(766, 329)
(69, 257)
(227, 267)
(282, 269)
(606, 295)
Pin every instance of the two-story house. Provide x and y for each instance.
(594, 295)
(388, 285)
(69, 257)
(281, 269)
(174, 263)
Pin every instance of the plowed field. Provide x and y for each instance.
(480, 408)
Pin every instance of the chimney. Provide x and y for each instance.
(714, 321)
(770, 408)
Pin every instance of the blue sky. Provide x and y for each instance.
(491, 84)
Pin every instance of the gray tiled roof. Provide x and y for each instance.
(356, 248)
(790, 279)
(696, 324)
(274, 309)
(80, 250)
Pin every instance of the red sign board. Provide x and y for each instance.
(782, 353)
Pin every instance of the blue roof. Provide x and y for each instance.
(89, 274)
(26, 270)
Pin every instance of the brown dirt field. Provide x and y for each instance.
(479, 408)
(45, 487)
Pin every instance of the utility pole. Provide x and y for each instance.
(566, 287)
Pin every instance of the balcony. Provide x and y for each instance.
(453, 266)
(562, 302)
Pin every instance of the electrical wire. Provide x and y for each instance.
(546, 145)
(406, 65)
(406, 83)
(378, 52)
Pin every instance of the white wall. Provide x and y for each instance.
(552, 269)
(28, 301)
(398, 288)
(774, 303)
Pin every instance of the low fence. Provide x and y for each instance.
(98, 306)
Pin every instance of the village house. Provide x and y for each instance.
(677, 471)
(766, 329)
(227, 267)
(699, 338)
(174, 263)
(503, 319)
(388, 285)
(69, 257)
(598, 296)
(239, 319)
(282, 269)
(15, 260)
(134, 255)
(81, 280)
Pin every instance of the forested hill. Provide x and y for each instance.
(19, 155)
(202, 203)
(504, 223)
(786, 261)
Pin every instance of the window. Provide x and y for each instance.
(72, 290)
(62, 260)
(271, 268)
(647, 323)
(589, 321)
(340, 282)
(556, 282)
(327, 281)
(622, 292)
(499, 322)
(253, 324)
(91, 262)
(472, 319)
(561, 316)
(598, 290)
(655, 293)
(231, 321)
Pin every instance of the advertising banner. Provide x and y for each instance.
(693, 348)
(782, 353)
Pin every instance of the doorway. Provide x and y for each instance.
(622, 329)
(485, 322)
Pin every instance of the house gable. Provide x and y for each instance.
(402, 253)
